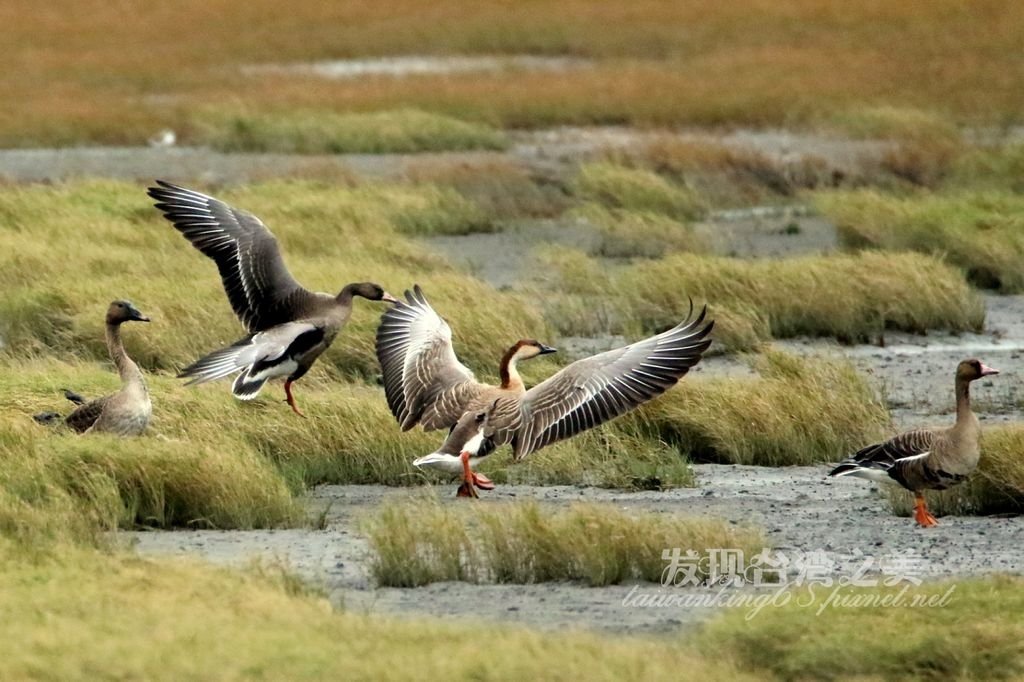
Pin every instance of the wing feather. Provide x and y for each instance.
(594, 390)
(424, 382)
(261, 290)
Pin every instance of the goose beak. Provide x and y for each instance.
(136, 314)
(388, 298)
(986, 370)
(544, 350)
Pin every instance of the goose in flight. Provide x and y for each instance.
(426, 384)
(288, 326)
(930, 458)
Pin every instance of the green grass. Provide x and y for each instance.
(421, 541)
(978, 635)
(79, 614)
(981, 233)
(619, 187)
(122, 248)
(327, 132)
(851, 297)
(996, 487)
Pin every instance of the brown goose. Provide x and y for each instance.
(926, 459)
(289, 326)
(125, 413)
(426, 384)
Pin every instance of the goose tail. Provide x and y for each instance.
(216, 365)
(246, 386)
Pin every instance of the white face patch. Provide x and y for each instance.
(472, 446)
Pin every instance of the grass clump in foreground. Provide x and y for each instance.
(78, 614)
(326, 132)
(853, 297)
(422, 541)
(996, 487)
(796, 411)
(977, 635)
(982, 233)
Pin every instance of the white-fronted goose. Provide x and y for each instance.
(289, 326)
(125, 413)
(426, 384)
(926, 459)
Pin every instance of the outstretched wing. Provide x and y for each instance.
(258, 285)
(423, 380)
(599, 388)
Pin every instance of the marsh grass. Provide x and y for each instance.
(502, 189)
(795, 411)
(727, 175)
(976, 636)
(619, 187)
(326, 132)
(120, 247)
(851, 297)
(78, 614)
(996, 487)
(625, 233)
(422, 540)
(982, 233)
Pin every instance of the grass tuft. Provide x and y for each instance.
(637, 234)
(619, 187)
(326, 132)
(796, 411)
(981, 233)
(423, 541)
(851, 297)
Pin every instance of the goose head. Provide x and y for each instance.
(972, 369)
(368, 290)
(124, 311)
(524, 349)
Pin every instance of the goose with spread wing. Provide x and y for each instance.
(426, 384)
(288, 326)
(930, 458)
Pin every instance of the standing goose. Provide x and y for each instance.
(426, 384)
(125, 413)
(926, 459)
(289, 326)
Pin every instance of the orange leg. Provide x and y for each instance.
(466, 489)
(921, 514)
(290, 399)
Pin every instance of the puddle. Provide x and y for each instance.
(418, 65)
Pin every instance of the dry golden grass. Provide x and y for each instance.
(89, 71)
(421, 541)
